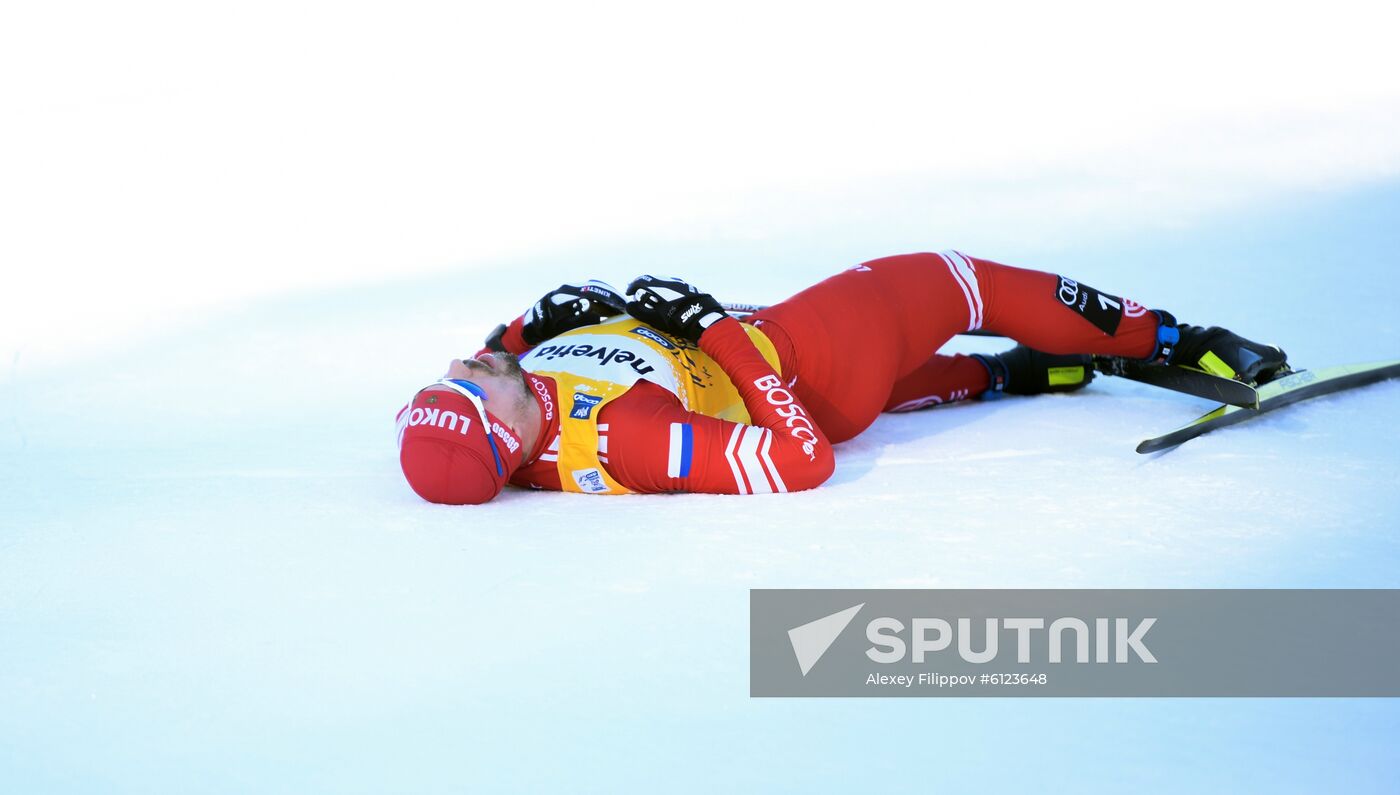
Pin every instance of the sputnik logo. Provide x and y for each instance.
(811, 640)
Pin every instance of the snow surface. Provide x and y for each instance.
(212, 577)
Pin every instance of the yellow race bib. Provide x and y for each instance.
(595, 364)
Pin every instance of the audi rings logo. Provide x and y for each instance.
(1069, 291)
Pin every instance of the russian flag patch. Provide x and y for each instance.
(681, 450)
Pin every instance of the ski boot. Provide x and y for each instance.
(1217, 351)
(1026, 371)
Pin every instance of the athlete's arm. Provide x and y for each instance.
(656, 445)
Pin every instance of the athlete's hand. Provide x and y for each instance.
(673, 306)
(569, 307)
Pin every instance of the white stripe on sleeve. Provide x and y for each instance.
(768, 462)
(729, 450)
(748, 459)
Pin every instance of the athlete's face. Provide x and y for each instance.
(507, 394)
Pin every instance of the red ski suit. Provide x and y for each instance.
(859, 343)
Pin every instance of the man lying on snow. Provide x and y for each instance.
(664, 391)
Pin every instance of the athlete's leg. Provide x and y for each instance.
(941, 379)
(1017, 304)
(1056, 314)
(845, 341)
(849, 340)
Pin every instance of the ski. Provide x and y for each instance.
(1181, 379)
(1284, 391)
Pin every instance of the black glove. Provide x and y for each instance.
(569, 307)
(673, 306)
